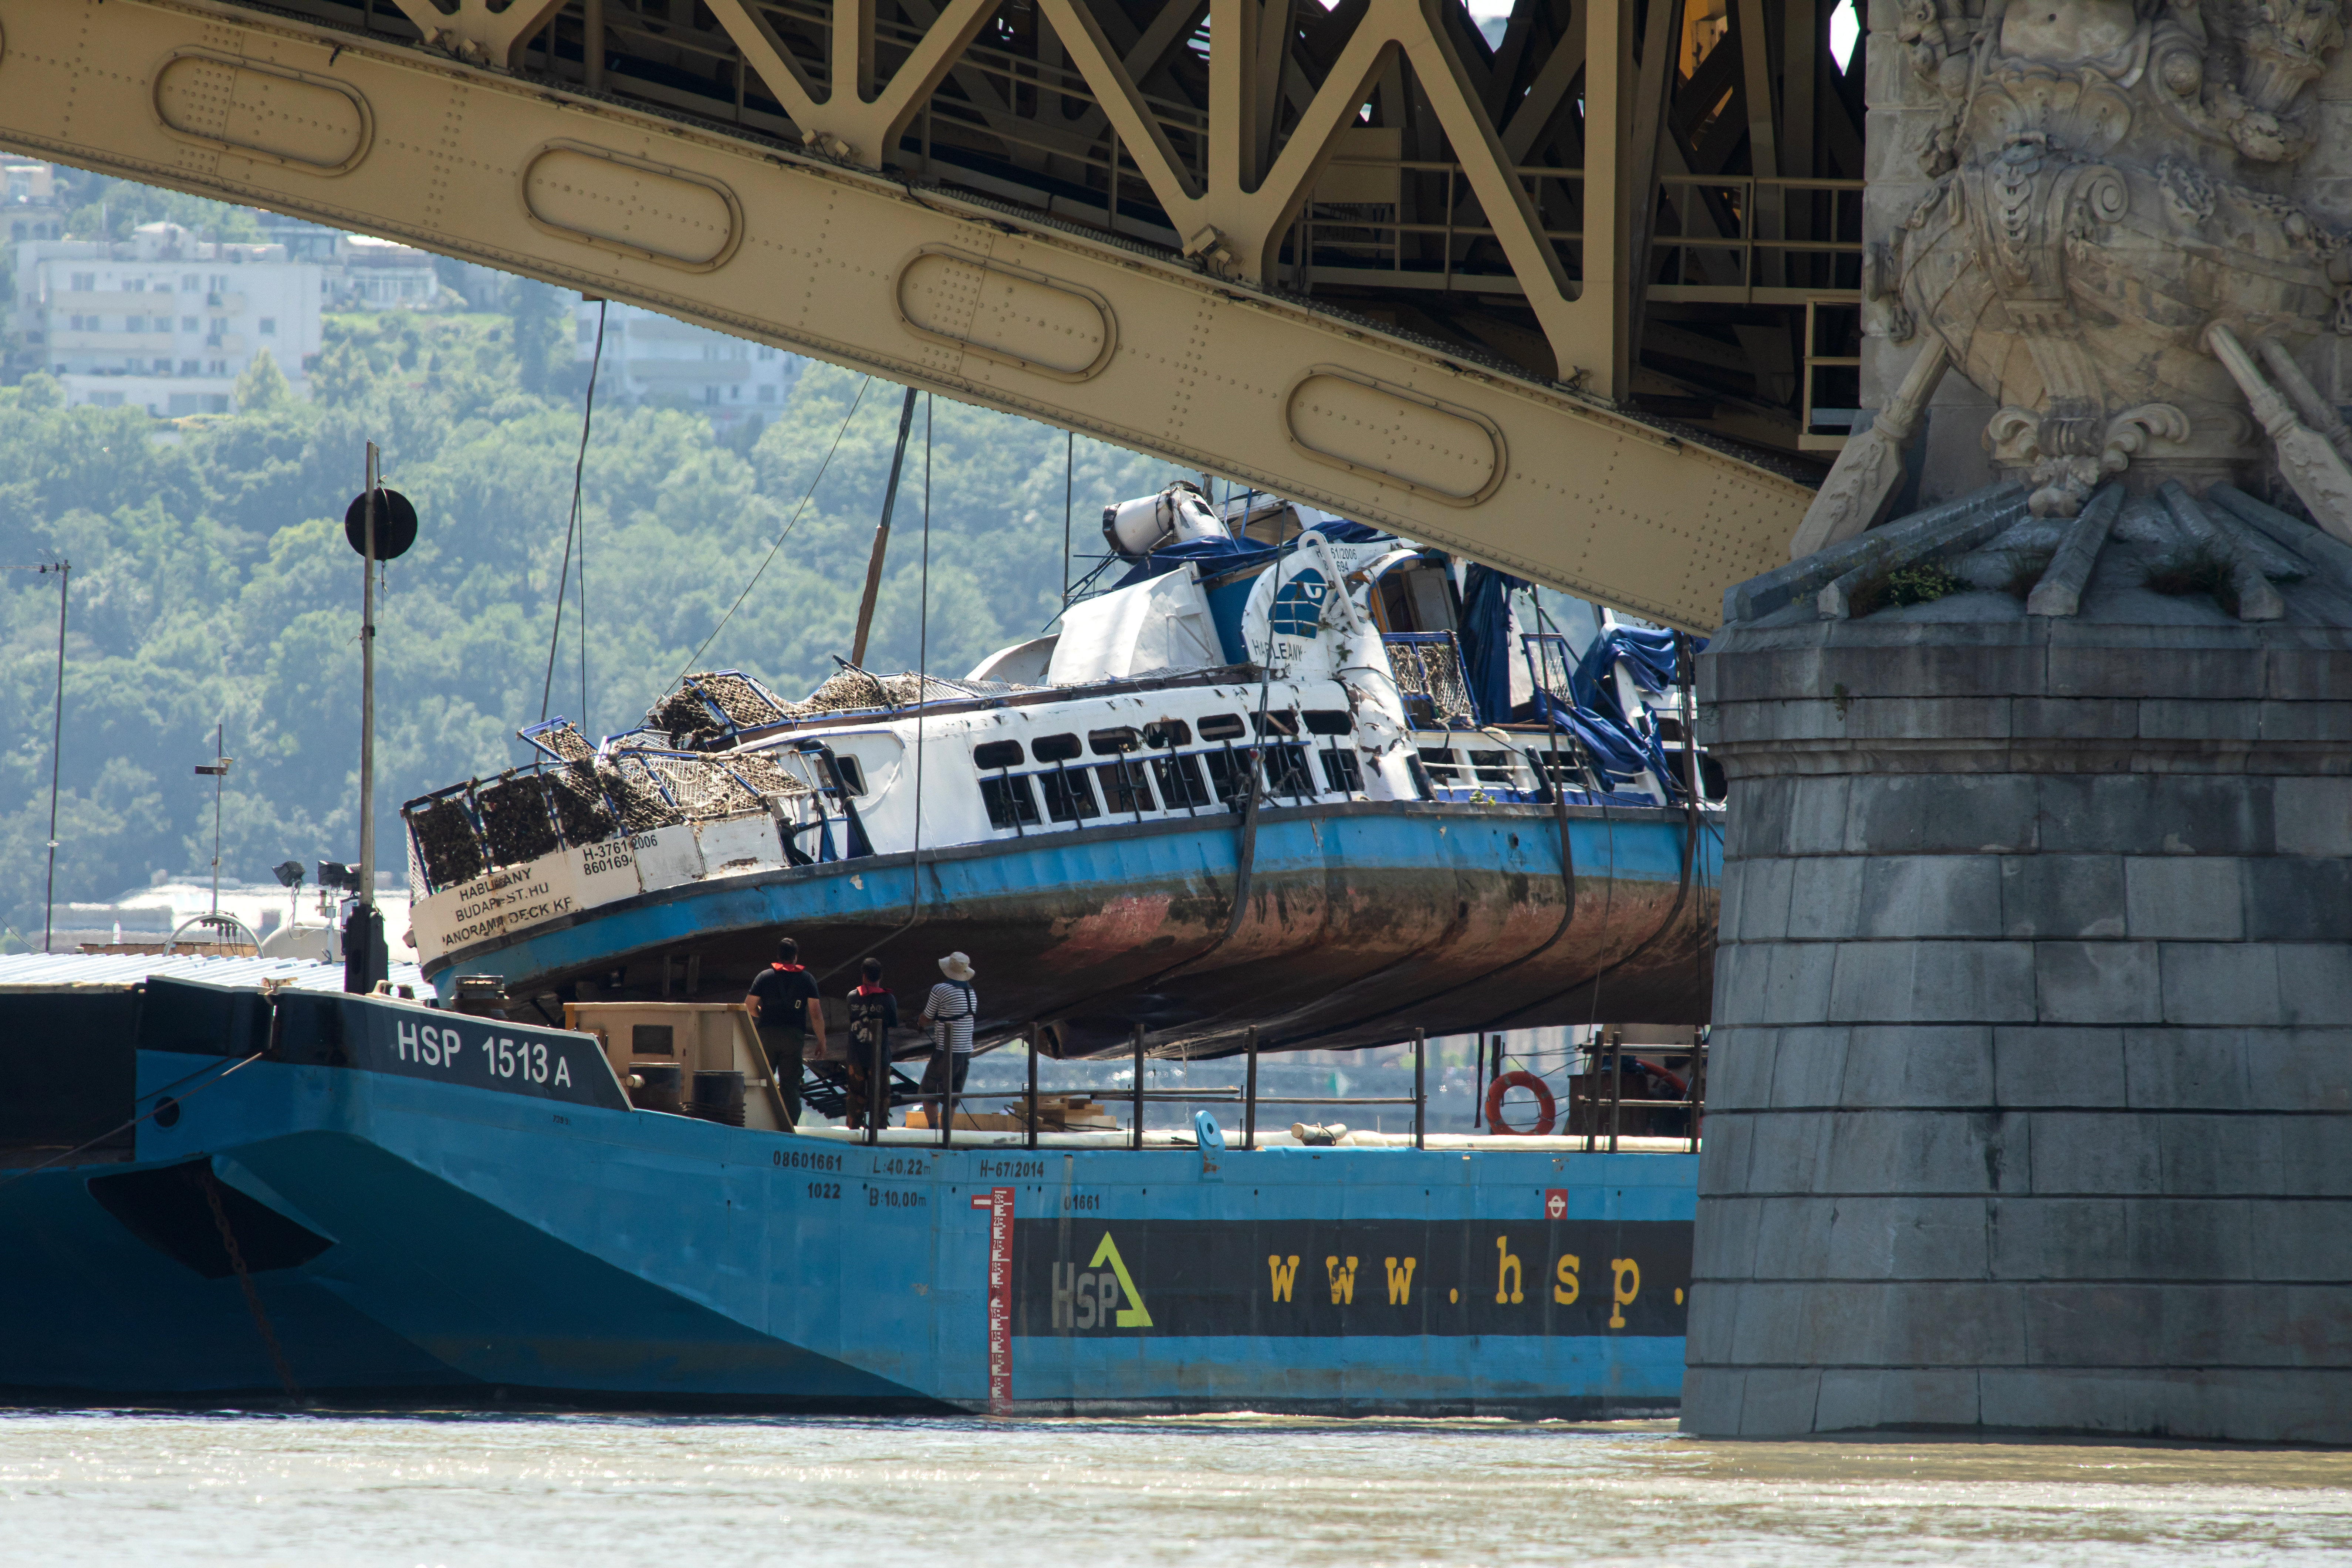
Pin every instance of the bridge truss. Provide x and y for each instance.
(1583, 303)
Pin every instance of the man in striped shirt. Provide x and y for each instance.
(949, 1011)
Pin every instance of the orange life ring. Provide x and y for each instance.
(1544, 1106)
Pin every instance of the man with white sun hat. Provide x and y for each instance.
(949, 1011)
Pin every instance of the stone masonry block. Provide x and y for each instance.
(1795, 982)
(2314, 983)
(1825, 897)
(1894, 1152)
(2293, 898)
(2221, 674)
(1713, 1315)
(2189, 719)
(1739, 1068)
(2058, 1067)
(1768, 1326)
(1756, 818)
(2299, 1069)
(2096, 982)
(1904, 1399)
(2094, 1152)
(1905, 1238)
(2060, 1238)
(1955, 1324)
(1809, 1068)
(2192, 898)
(1727, 1154)
(1933, 814)
(1786, 1149)
(1793, 1239)
(1779, 1402)
(2315, 1157)
(1723, 1238)
(1817, 816)
(2187, 1070)
(2190, 1239)
(2299, 1239)
(1763, 898)
(2156, 814)
(1711, 1397)
(2222, 1156)
(2216, 982)
(2314, 815)
(2061, 895)
(1930, 896)
(1917, 1067)
(1932, 982)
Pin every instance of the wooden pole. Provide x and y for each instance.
(1616, 1085)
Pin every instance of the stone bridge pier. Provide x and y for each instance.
(2028, 1105)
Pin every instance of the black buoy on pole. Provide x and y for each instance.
(381, 525)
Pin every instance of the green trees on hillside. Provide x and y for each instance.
(211, 582)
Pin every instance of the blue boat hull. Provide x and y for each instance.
(427, 1233)
(1362, 920)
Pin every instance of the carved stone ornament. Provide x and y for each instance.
(2110, 182)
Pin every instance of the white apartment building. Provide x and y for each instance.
(648, 354)
(164, 320)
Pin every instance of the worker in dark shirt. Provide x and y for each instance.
(873, 1013)
(783, 1004)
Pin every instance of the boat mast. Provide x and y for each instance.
(882, 534)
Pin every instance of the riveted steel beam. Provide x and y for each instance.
(1196, 360)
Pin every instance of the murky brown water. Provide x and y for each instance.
(1102, 1494)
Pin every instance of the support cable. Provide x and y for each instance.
(573, 524)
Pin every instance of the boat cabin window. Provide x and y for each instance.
(1417, 598)
(652, 1040)
(1439, 761)
(1053, 748)
(1220, 726)
(1180, 781)
(1329, 722)
(1124, 786)
(1068, 796)
(1275, 721)
(852, 775)
(1287, 773)
(1113, 743)
(997, 754)
(1342, 772)
(1008, 802)
(1167, 733)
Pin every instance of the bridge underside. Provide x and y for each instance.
(1594, 325)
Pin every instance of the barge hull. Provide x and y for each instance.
(428, 1233)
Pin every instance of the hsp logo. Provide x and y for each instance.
(1091, 1298)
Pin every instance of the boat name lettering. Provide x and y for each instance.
(896, 1197)
(503, 1057)
(800, 1160)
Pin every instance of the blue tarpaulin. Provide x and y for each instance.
(1486, 641)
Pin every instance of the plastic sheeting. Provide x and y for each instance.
(1487, 641)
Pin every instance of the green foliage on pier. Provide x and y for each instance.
(211, 583)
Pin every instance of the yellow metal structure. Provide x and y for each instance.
(1359, 258)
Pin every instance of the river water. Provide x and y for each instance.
(302, 1489)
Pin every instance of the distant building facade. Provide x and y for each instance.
(163, 320)
(648, 357)
(28, 202)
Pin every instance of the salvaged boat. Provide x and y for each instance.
(1287, 773)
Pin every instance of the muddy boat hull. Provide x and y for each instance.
(471, 1217)
(1362, 921)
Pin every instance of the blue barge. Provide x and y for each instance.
(368, 1201)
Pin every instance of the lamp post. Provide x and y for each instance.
(217, 771)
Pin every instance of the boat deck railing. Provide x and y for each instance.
(1594, 1139)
